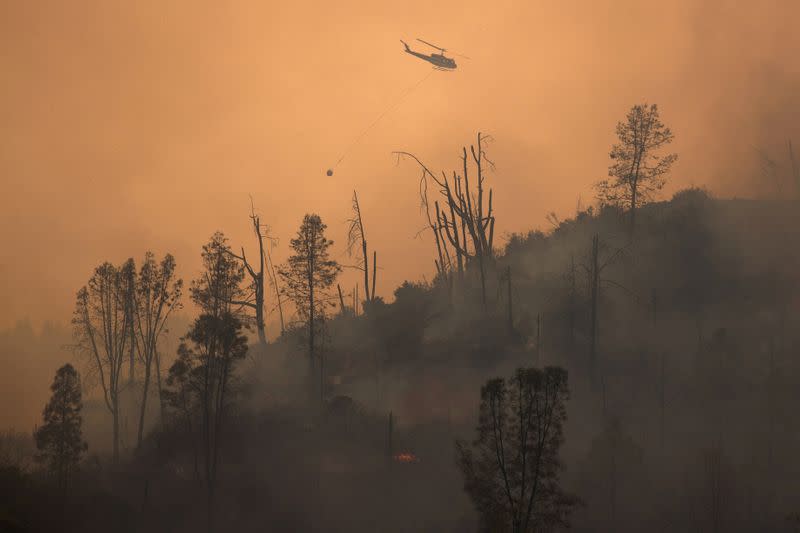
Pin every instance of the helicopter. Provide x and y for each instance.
(439, 61)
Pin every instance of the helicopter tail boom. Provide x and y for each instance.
(432, 45)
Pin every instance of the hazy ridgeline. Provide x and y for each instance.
(682, 417)
(630, 370)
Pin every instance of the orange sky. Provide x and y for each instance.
(128, 126)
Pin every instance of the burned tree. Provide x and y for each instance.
(594, 268)
(273, 280)
(637, 171)
(255, 299)
(510, 303)
(101, 327)
(356, 236)
(594, 288)
(773, 171)
(511, 471)
(465, 221)
(571, 301)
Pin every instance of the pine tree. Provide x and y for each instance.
(638, 171)
(59, 439)
(218, 290)
(201, 379)
(308, 274)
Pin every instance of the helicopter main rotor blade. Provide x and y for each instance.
(431, 44)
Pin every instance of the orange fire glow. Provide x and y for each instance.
(406, 457)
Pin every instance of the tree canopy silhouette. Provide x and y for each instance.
(511, 470)
(637, 171)
(103, 322)
(60, 440)
(308, 274)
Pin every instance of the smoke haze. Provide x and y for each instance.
(127, 127)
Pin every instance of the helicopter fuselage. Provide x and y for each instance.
(438, 60)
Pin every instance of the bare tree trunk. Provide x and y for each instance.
(595, 279)
(260, 324)
(218, 419)
(132, 358)
(366, 270)
(440, 264)
(259, 284)
(257, 302)
(459, 253)
(160, 390)
(207, 422)
(510, 306)
(357, 233)
(374, 268)
(571, 304)
(271, 267)
(714, 477)
(196, 461)
(613, 491)
(662, 397)
(115, 416)
(538, 340)
(311, 310)
(143, 406)
(210, 486)
(130, 298)
(321, 378)
(605, 399)
(654, 305)
(341, 299)
(389, 445)
(483, 282)
(771, 404)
